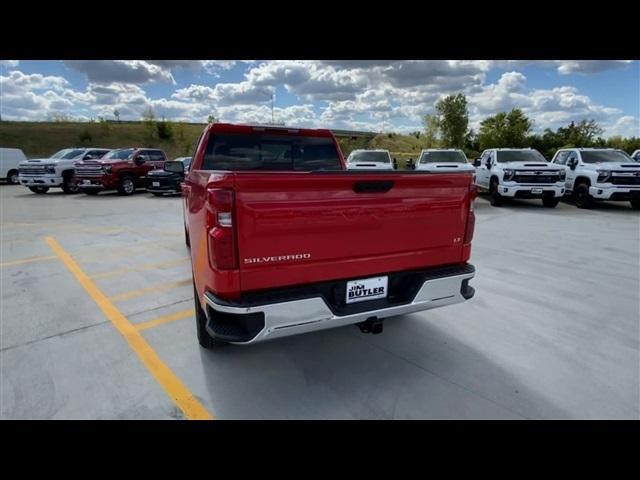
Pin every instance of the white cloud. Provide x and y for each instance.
(9, 63)
(122, 71)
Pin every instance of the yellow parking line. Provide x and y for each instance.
(171, 384)
(141, 268)
(190, 312)
(161, 287)
(28, 260)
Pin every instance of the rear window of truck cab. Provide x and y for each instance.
(373, 157)
(228, 151)
(443, 157)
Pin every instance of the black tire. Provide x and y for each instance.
(635, 204)
(40, 190)
(187, 240)
(495, 199)
(550, 202)
(69, 185)
(12, 177)
(204, 339)
(581, 196)
(127, 185)
(92, 191)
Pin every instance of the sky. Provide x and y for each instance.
(372, 95)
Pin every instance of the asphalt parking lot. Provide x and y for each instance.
(552, 333)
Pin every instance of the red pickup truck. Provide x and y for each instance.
(123, 169)
(284, 240)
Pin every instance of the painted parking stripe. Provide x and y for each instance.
(172, 385)
(28, 260)
(190, 312)
(161, 287)
(141, 268)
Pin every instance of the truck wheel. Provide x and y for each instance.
(39, 189)
(204, 339)
(581, 196)
(495, 198)
(126, 185)
(635, 204)
(12, 177)
(69, 185)
(550, 202)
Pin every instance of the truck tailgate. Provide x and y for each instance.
(305, 227)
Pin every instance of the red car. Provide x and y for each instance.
(284, 240)
(124, 169)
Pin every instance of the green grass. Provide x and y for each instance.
(41, 139)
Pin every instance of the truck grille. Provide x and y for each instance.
(536, 177)
(32, 170)
(625, 179)
(88, 171)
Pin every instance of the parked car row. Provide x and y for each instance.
(92, 170)
(584, 174)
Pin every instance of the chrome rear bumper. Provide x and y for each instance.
(294, 317)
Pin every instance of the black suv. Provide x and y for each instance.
(168, 180)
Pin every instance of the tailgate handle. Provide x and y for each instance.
(373, 186)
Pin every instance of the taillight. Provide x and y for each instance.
(471, 216)
(220, 231)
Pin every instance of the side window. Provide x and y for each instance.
(561, 158)
(571, 156)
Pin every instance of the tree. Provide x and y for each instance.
(505, 130)
(431, 130)
(581, 134)
(453, 119)
(116, 114)
(211, 119)
(148, 115)
(148, 119)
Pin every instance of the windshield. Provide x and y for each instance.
(373, 157)
(520, 156)
(270, 152)
(60, 153)
(123, 154)
(443, 157)
(601, 156)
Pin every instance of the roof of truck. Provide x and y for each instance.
(278, 129)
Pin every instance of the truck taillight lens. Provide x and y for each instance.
(220, 231)
(471, 216)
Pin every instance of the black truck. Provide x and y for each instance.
(160, 182)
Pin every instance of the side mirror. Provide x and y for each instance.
(488, 163)
(476, 162)
(572, 163)
(140, 159)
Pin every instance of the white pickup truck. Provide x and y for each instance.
(443, 160)
(519, 173)
(40, 174)
(599, 174)
(370, 160)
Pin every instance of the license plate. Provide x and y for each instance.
(155, 184)
(536, 190)
(367, 289)
(86, 182)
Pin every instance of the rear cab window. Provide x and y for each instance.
(270, 152)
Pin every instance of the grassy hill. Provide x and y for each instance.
(40, 139)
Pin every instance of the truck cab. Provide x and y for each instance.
(443, 160)
(370, 160)
(41, 174)
(594, 174)
(519, 173)
(123, 169)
